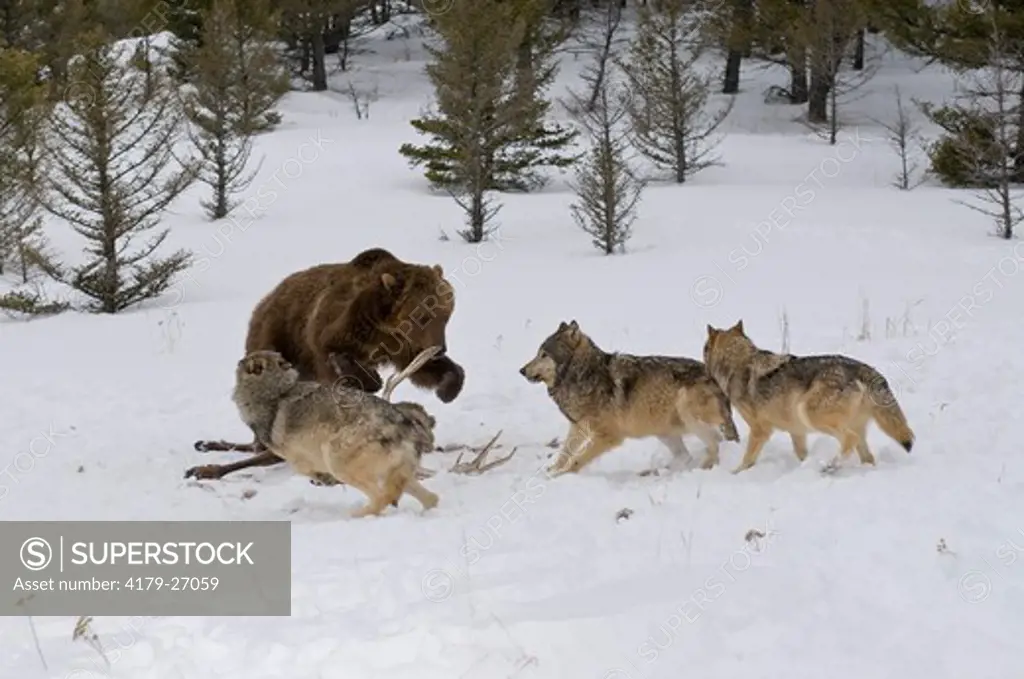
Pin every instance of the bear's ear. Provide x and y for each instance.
(438, 270)
(388, 281)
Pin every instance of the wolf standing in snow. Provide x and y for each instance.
(358, 439)
(608, 398)
(835, 395)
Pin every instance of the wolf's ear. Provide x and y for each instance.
(739, 327)
(574, 330)
(563, 326)
(711, 331)
(254, 367)
(574, 326)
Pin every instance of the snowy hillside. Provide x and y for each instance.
(515, 575)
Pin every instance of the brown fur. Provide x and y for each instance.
(832, 394)
(340, 323)
(375, 310)
(609, 398)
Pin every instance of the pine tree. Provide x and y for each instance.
(599, 35)
(185, 21)
(61, 21)
(262, 76)
(956, 34)
(668, 97)
(23, 112)
(829, 32)
(489, 130)
(236, 80)
(607, 188)
(212, 107)
(111, 172)
(991, 101)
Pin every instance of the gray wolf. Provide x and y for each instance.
(372, 311)
(355, 438)
(610, 397)
(831, 394)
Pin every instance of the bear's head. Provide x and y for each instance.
(423, 303)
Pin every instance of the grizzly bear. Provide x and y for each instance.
(345, 321)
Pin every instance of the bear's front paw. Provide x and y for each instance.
(451, 384)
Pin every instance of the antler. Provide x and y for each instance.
(396, 379)
(476, 466)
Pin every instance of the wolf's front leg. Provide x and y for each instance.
(583, 445)
(758, 436)
(576, 441)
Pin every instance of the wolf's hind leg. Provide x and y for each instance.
(394, 485)
(799, 445)
(425, 497)
(378, 499)
(842, 418)
(680, 453)
(710, 437)
(361, 471)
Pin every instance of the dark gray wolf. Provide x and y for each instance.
(610, 397)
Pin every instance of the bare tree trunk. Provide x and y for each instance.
(732, 72)
(739, 44)
(817, 103)
(798, 76)
(319, 56)
(11, 28)
(598, 83)
(524, 56)
(1018, 153)
(305, 60)
(833, 114)
(858, 54)
(600, 70)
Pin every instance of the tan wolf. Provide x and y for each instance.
(831, 394)
(610, 397)
(328, 433)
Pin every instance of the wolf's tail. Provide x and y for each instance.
(887, 412)
(725, 406)
(729, 427)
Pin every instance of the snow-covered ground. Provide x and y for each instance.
(515, 575)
